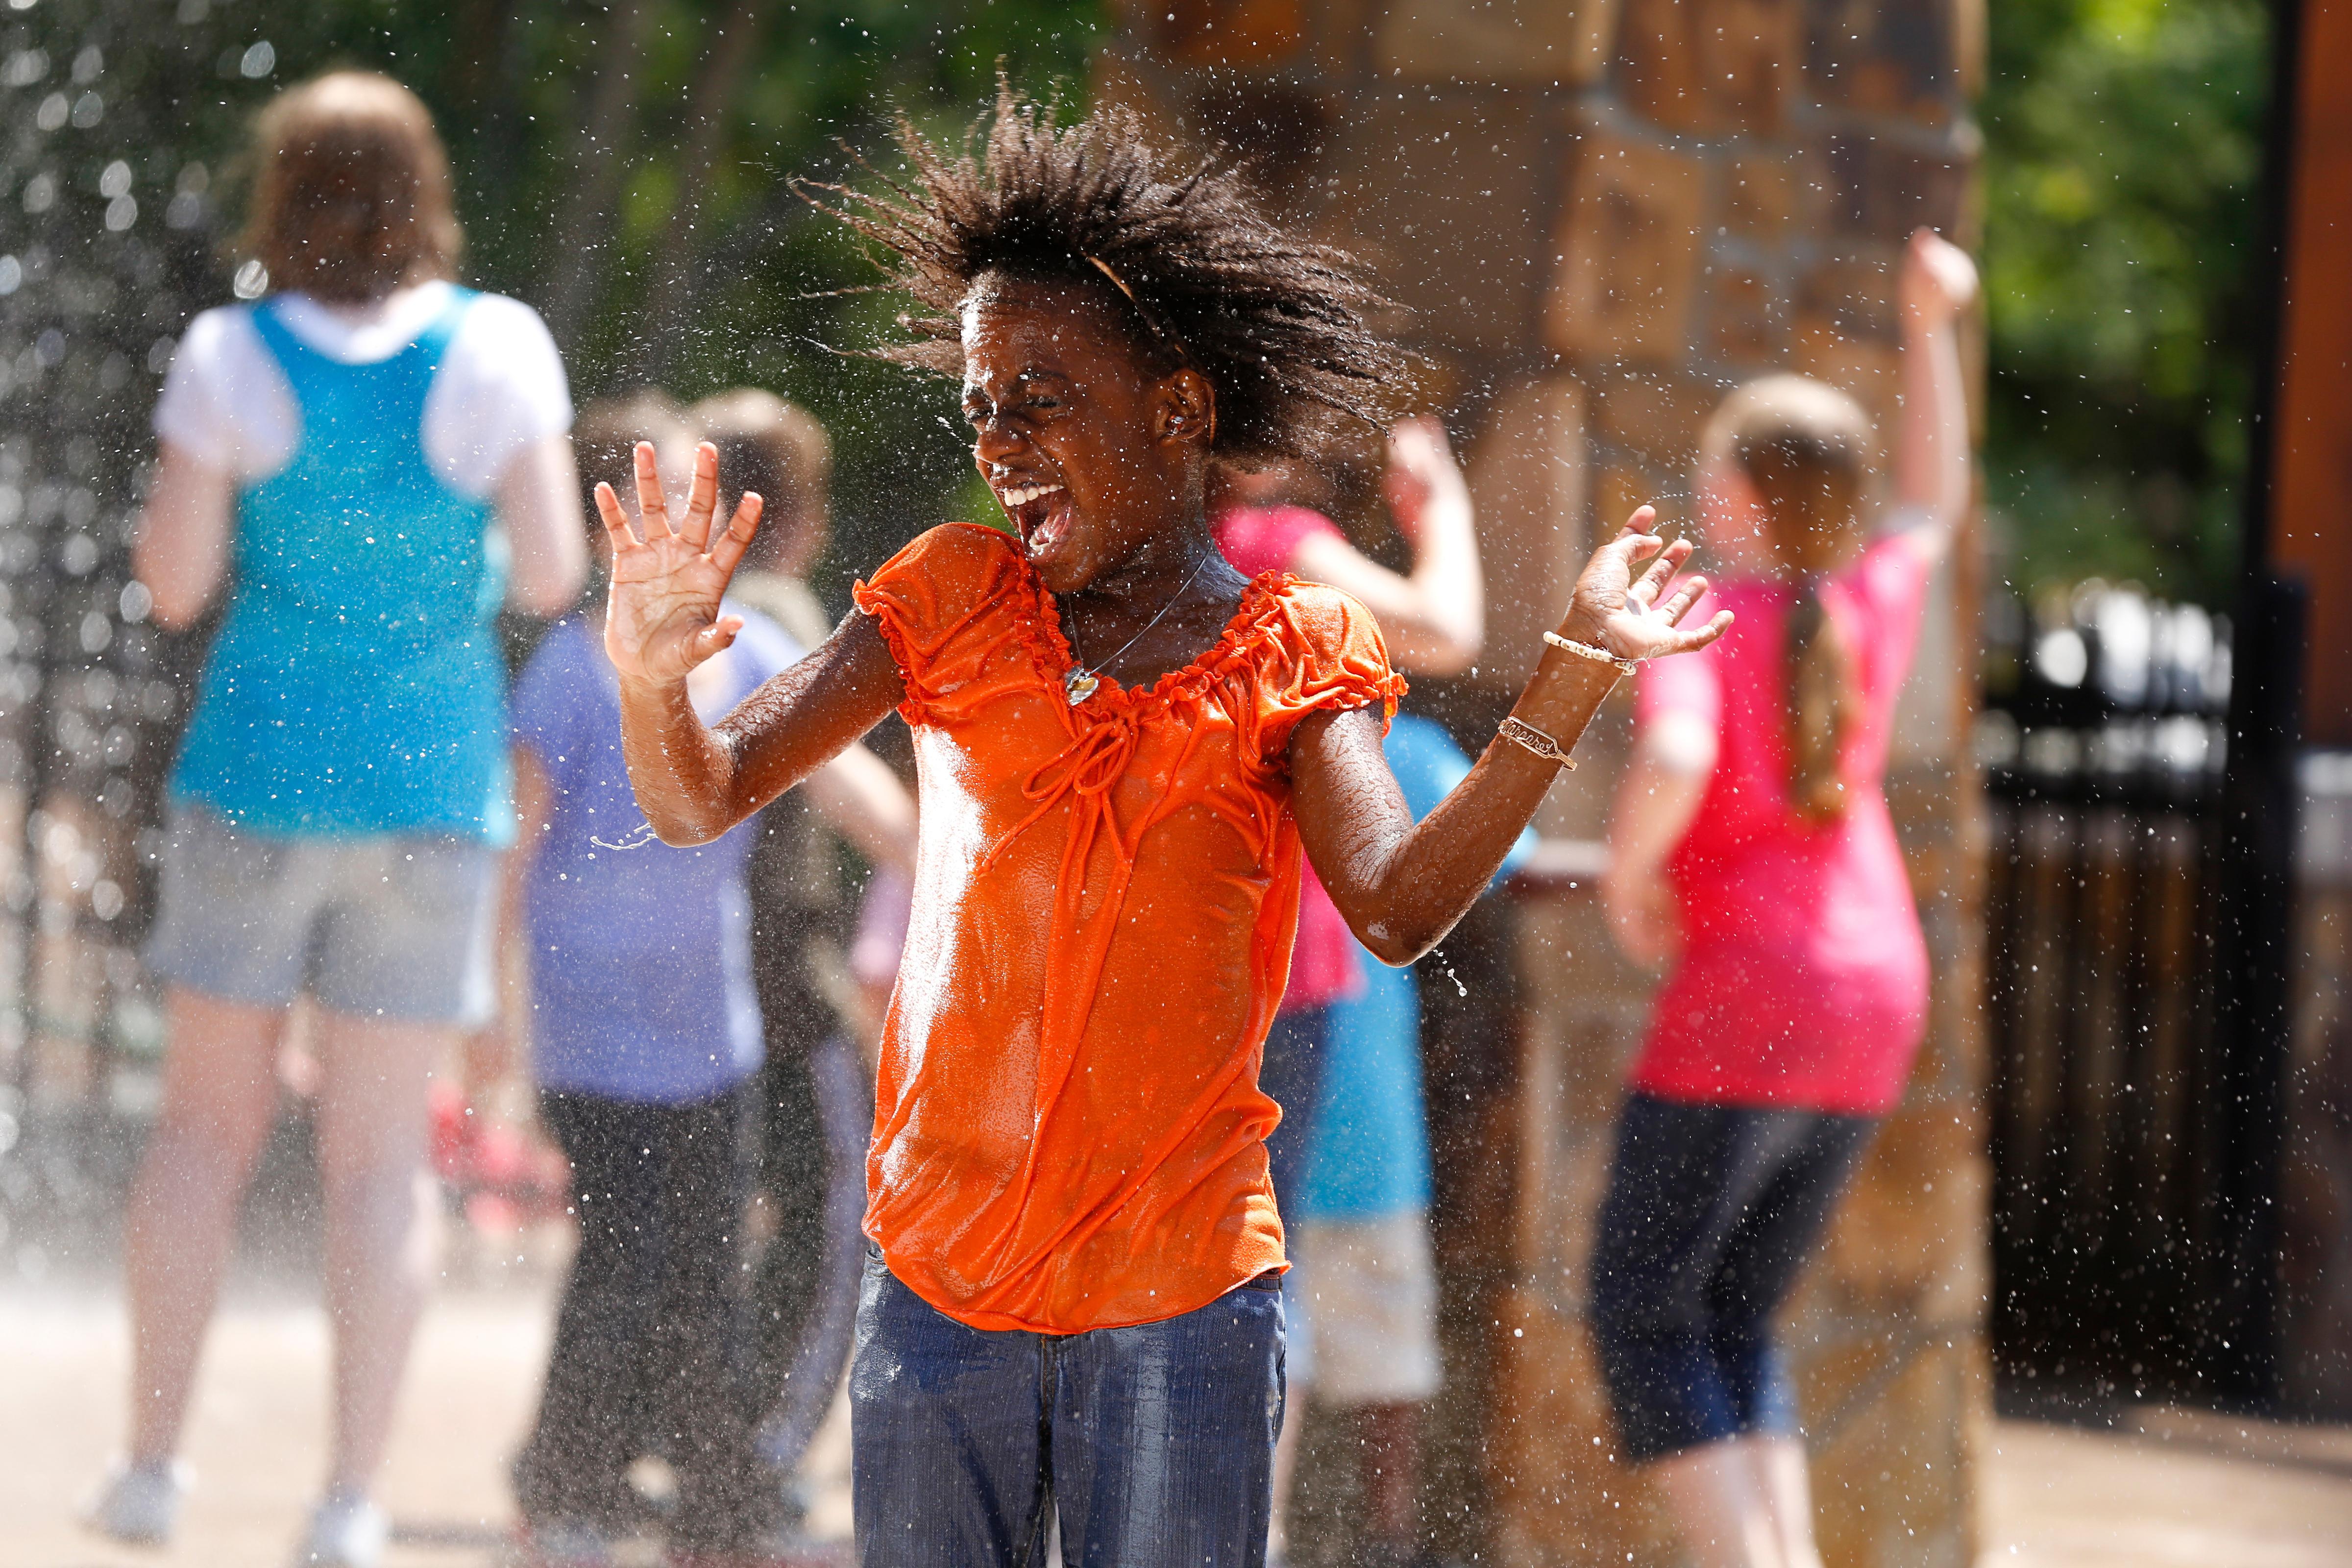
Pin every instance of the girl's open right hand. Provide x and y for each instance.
(661, 615)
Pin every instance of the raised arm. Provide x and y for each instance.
(1434, 617)
(693, 781)
(1403, 885)
(1932, 473)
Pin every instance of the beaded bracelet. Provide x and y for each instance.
(1520, 732)
(1599, 654)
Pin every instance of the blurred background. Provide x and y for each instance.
(2092, 1299)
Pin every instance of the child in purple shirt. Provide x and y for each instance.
(646, 1046)
(646, 1041)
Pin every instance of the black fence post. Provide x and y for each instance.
(2253, 942)
(2254, 978)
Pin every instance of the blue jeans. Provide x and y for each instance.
(1291, 1074)
(1154, 1444)
(1712, 1211)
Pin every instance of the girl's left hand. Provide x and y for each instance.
(1639, 617)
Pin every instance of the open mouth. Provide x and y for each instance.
(1041, 514)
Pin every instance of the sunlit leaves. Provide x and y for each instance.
(2122, 161)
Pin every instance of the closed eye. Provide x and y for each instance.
(1028, 409)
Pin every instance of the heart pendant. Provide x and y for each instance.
(1079, 685)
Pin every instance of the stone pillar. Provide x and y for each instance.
(1602, 215)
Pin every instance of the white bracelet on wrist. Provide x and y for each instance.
(1598, 655)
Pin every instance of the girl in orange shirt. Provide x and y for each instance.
(1123, 745)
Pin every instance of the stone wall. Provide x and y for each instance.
(1601, 215)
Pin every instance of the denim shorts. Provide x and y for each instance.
(396, 928)
(1153, 1444)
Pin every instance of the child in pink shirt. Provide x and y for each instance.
(1802, 979)
(1754, 857)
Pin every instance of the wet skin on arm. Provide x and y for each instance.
(1099, 456)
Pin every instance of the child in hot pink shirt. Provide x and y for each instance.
(1753, 855)
(1803, 977)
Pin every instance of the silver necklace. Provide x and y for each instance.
(1080, 683)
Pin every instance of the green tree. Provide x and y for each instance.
(2122, 171)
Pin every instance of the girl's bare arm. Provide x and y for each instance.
(1932, 471)
(693, 781)
(1434, 617)
(1673, 758)
(539, 503)
(1403, 885)
(180, 552)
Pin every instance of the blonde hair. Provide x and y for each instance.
(1807, 449)
(776, 448)
(350, 191)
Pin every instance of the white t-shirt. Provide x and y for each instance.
(499, 389)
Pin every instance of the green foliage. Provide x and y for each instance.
(2122, 173)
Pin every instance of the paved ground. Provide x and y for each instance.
(2181, 1491)
(257, 1434)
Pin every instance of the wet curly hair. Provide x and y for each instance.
(1280, 326)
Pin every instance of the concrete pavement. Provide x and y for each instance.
(2178, 1488)
(257, 1437)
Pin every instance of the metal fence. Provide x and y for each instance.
(2104, 745)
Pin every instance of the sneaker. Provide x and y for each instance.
(558, 1543)
(139, 1504)
(346, 1531)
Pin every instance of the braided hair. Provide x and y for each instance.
(1806, 447)
(1181, 250)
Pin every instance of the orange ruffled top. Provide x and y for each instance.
(1068, 1132)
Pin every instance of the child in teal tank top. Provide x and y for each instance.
(356, 687)
(349, 461)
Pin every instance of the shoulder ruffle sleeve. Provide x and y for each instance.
(933, 601)
(1321, 650)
